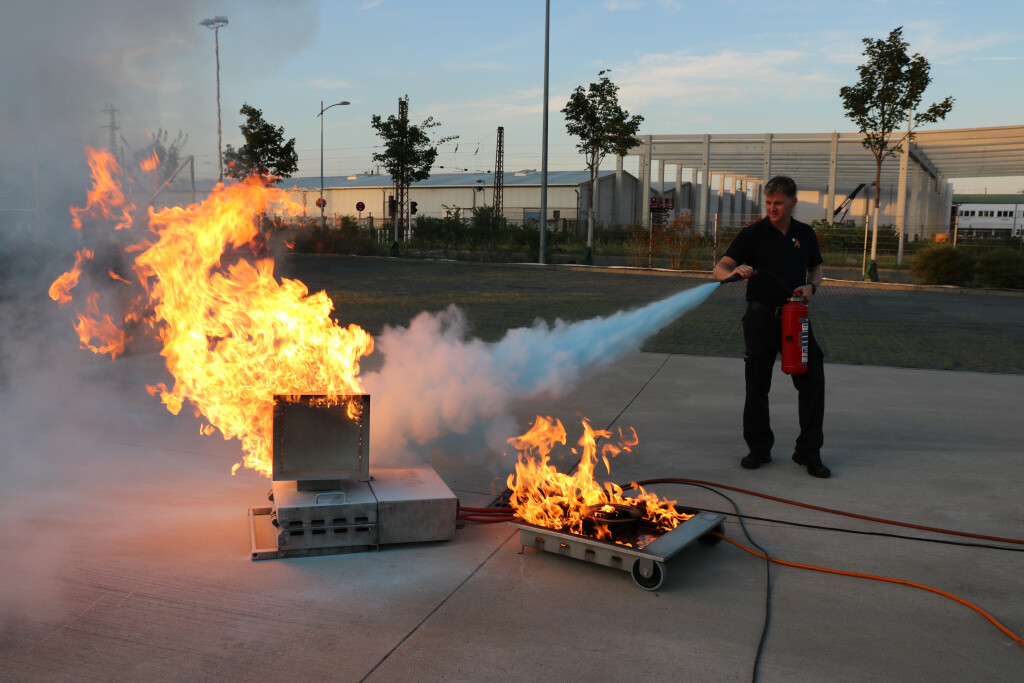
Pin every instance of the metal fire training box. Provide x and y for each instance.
(321, 439)
(327, 499)
(645, 564)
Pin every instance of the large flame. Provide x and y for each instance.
(544, 496)
(233, 335)
(105, 200)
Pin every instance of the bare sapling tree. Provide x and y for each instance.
(603, 127)
(890, 89)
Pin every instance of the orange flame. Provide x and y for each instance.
(99, 333)
(105, 199)
(233, 335)
(60, 290)
(150, 163)
(233, 338)
(544, 496)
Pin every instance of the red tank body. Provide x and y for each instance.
(796, 332)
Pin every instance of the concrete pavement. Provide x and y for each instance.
(127, 551)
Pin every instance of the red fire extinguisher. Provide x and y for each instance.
(796, 333)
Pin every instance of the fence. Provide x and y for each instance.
(846, 249)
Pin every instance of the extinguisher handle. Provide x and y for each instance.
(735, 276)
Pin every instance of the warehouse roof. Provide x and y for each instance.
(988, 198)
(807, 157)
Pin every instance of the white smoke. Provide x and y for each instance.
(435, 381)
(64, 62)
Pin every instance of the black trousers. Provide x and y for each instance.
(762, 333)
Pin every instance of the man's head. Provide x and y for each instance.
(780, 200)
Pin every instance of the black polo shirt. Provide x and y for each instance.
(781, 261)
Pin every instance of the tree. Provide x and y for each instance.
(265, 152)
(891, 86)
(603, 127)
(408, 154)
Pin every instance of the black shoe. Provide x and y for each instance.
(813, 463)
(754, 460)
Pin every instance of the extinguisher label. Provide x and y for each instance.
(805, 333)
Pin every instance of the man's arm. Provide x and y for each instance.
(814, 277)
(728, 266)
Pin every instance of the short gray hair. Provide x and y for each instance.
(781, 184)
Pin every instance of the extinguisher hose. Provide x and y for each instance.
(732, 278)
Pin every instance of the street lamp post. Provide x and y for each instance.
(544, 143)
(216, 23)
(321, 202)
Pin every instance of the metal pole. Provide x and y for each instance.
(323, 218)
(35, 180)
(216, 53)
(544, 142)
(874, 235)
(321, 203)
(864, 260)
(903, 184)
(714, 239)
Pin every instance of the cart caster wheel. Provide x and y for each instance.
(652, 582)
(710, 539)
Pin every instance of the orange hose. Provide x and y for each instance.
(873, 577)
(855, 515)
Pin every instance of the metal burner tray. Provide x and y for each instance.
(646, 565)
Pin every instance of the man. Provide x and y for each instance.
(779, 257)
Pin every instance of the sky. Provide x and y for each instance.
(725, 67)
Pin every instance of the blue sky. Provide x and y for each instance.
(687, 67)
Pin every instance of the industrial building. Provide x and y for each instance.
(718, 178)
(442, 193)
(989, 215)
(726, 173)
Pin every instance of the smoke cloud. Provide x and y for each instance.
(76, 426)
(63, 411)
(435, 381)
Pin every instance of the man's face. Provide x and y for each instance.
(779, 208)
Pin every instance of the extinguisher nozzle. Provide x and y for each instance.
(731, 278)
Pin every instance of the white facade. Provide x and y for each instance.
(990, 220)
(439, 195)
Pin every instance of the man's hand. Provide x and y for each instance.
(744, 271)
(727, 268)
(804, 293)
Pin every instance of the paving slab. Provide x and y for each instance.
(128, 551)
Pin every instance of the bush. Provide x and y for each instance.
(609, 235)
(1002, 268)
(306, 237)
(849, 239)
(676, 240)
(943, 265)
(638, 246)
